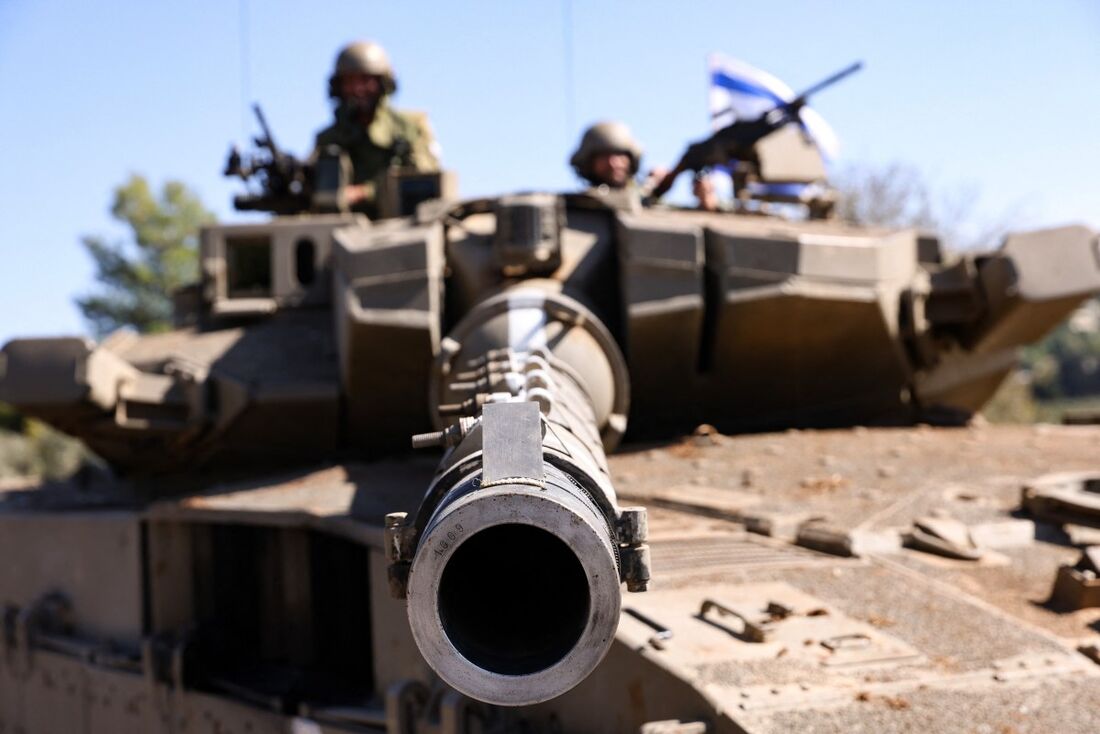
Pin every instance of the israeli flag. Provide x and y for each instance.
(739, 91)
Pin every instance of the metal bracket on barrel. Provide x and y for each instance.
(511, 444)
(633, 531)
(399, 539)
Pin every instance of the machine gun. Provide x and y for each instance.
(736, 141)
(291, 186)
(285, 181)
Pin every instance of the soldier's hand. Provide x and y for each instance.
(703, 188)
(356, 193)
(652, 180)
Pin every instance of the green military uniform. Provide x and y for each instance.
(393, 138)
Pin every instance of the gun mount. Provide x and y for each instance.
(736, 146)
(288, 185)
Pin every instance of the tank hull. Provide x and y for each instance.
(888, 636)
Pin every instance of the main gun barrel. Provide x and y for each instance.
(513, 564)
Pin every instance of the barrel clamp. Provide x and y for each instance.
(633, 531)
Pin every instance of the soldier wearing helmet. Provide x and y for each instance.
(608, 156)
(372, 134)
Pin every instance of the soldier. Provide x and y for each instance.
(608, 156)
(372, 134)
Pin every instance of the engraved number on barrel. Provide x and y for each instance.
(444, 543)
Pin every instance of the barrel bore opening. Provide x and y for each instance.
(514, 599)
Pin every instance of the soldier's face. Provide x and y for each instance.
(361, 87)
(612, 169)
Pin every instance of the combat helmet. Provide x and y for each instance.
(365, 57)
(606, 137)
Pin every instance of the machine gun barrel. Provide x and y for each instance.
(267, 141)
(513, 564)
(830, 81)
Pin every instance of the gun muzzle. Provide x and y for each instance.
(513, 563)
(514, 590)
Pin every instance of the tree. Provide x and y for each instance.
(897, 195)
(31, 448)
(893, 196)
(138, 277)
(1066, 364)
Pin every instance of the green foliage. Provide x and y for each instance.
(1067, 363)
(138, 277)
(36, 450)
(10, 420)
(1013, 402)
(31, 448)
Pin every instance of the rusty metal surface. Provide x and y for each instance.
(350, 499)
(736, 550)
(988, 648)
(863, 477)
(93, 559)
(1061, 703)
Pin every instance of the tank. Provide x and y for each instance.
(268, 554)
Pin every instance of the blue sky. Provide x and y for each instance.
(1000, 98)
